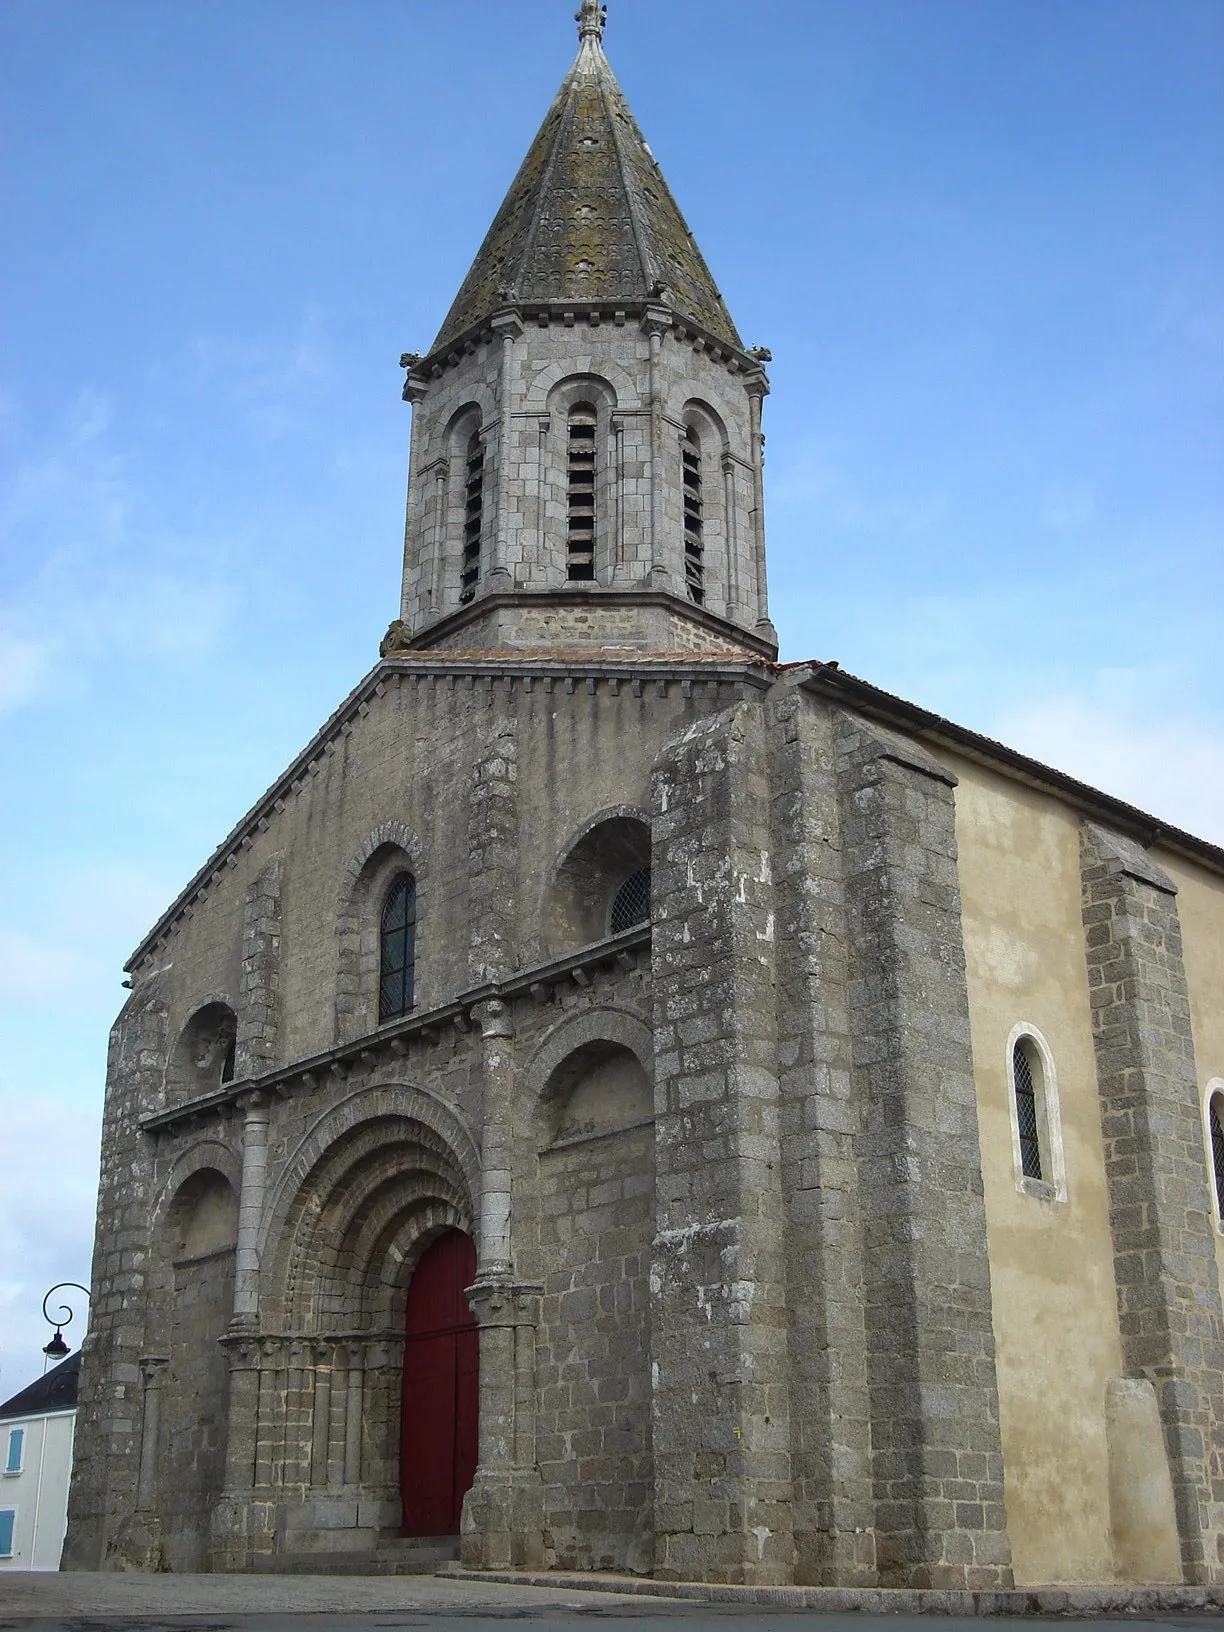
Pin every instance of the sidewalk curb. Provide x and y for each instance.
(1067, 1601)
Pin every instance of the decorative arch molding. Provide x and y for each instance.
(186, 1078)
(398, 1101)
(620, 1026)
(571, 389)
(468, 393)
(707, 422)
(615, 384)
(211, 1154)
(631, 813)
(383, 854)
(579, 888)
(472, 416)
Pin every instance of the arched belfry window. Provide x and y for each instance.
(397, 953)
(473, 516)
(1215, 1125)
(580, 541)
(694, 517)
(631, 903)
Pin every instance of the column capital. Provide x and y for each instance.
(508, 323)
(153, 1368)
(499, 1300)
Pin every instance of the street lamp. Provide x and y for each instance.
(57, 1348)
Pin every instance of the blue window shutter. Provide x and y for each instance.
(16, 1443)
(7, 1518)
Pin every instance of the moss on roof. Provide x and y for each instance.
(589, 217)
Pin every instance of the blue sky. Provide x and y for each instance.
(983, 238)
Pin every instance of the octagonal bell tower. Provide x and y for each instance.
(586, 444)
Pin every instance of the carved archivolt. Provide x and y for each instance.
(376, 1178)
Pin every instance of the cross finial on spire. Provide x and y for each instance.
(591, 20)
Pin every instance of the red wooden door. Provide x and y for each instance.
(441, 1389)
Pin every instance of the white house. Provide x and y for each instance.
(36, 1433)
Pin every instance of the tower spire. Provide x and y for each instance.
(591, 20)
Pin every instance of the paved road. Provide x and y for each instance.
(170, 1603)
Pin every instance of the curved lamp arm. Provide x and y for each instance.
(57, 1348)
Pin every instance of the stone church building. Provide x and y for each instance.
(624, 1103)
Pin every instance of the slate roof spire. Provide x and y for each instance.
(589, 218)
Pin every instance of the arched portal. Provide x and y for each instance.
(441, 1403)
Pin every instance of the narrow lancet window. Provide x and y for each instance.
(473, 517)
(397, 961)
(694, 544)
(580, 553)
(1217, 1152)
(1026, 1112)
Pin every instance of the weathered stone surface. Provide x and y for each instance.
(1165, 1274)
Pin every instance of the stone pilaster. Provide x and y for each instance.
(503, 1513)
(937, 1465)
(718, 1315)
(241, 1528)
(259, 1018)
(830, 1404)
(493, 858)
(1165, 1272)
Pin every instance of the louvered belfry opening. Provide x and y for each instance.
(694, 544)
(473, 517)
(580, 547)
(1026, 1113)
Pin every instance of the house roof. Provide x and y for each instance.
(56, 1391)
(589, 217)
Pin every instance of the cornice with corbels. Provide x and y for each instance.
(478, 1015)
(655, 314)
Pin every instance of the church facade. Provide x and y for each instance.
(626, 1103)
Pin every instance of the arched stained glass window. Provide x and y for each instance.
(397, 961)
(1026, 1112)
(1217, 1151)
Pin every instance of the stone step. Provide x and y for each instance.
(397, 1555)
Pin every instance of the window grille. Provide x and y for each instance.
(16, 1448)
(1217, 1151)
(694, 522)
(397, 961)
(473, 518)
(631, 903)
(8, 1521)
(580, 544)
(1026, 1113)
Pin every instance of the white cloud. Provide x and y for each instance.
(48, 1186)
(1173, 768)
(97, 588)
(25, 661)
